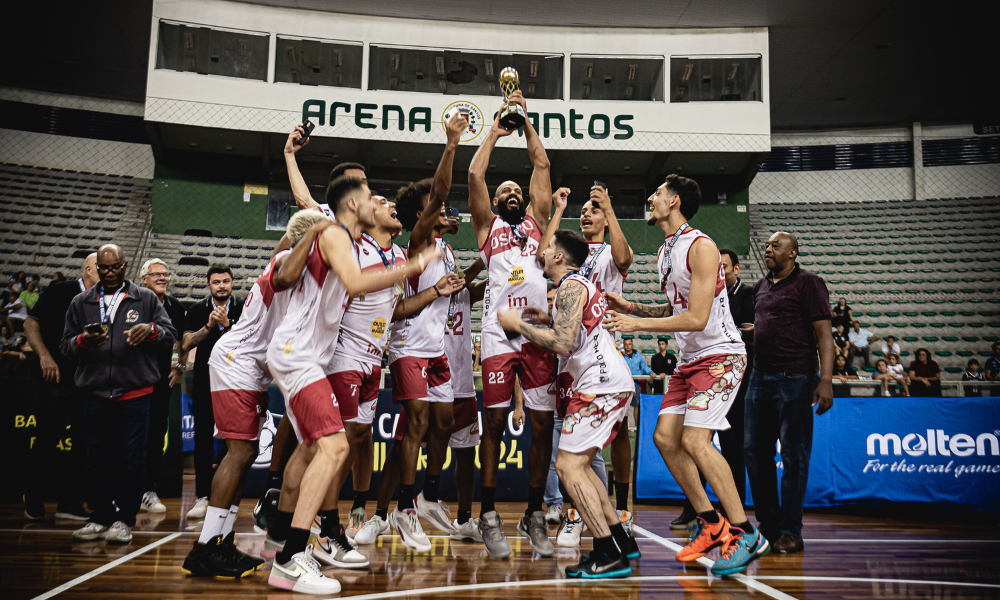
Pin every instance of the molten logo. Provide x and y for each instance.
(935, 443)
(516, 276)
(378, 327)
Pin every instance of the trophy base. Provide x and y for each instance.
(511, 119)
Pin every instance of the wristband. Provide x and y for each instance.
(437, 291)
(631, 305)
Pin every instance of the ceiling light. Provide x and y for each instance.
(193, 144)
(627, 168)
(489, 67)
(429, 162)
(733, 70)
(678, 168)
(628, 92)
(394, 62)
(534, 68)
(631, 71)
(394, 160)
(721, 168)
(527, 166)
(688, 68)
(336, 156)
(588, 71)
(439, 65)
(229, 147)
(584, 168)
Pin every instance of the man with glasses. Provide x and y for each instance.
(204, 324)
(155, 276)
(115, 329)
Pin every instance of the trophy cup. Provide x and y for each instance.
(511, 115)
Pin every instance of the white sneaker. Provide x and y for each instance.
(553, 516)
(151, 503)
(370, 531)
(89, 532)
(627, 519)
(569, 533)
(271, 546)
(410, 532)
(467, 532)
(886, 393)
(119, 533)
(338, 553)
(301, 574)
(199, 509)
(436, 513)
(355, 521)
(317, 526)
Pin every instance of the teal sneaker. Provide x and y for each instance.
(741, 550)
(266, 509)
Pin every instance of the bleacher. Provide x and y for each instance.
(926, 272)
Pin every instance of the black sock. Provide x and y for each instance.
(710, 516)
(329, 522)
(296, 542)
(607, 546)
(431, 487)
(279, 528)
(274, 479)
(487, 496)
(621, 537)
(745, 526)
(621, 496)
(405, 497)
(464, 516)
(382, 513)
(360, 499)
(535, 497)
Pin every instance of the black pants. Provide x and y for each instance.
(159, 415)
(116, 457)
(204, 435)
(60, 419)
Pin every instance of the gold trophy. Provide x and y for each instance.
(511, 115)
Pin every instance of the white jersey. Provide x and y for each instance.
(309, 331)
(458, 345)
(720, 335)
(246, 343)
(593, 362)
(605, 275)
(365, 324)
(421, 335)
(515, 279)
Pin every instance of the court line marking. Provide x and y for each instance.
(107, 567)
(748, 581)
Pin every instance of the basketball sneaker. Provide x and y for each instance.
(371, 530)
(467, 532)
(119, 533)
(355, 521)
(337, 551)
(229, 542)
(265, 510)
(410, 532)
(72, 511)
(491, 530)
(215, 559)
(534, 528)
(704, 537)
(199, 509)
(685, 519)
(271, 546)
(597, 565)
(627, 519)
(553, 516)
(434, 512)
(301, 574)
(741, 550)
(569, 533)
(90, 532)
(151, 503)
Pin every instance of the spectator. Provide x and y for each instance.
(993, 369)
(895, 367)
(972, 373)
(883, 375)
(58, 277)
(114, 329)
(792, 324)
(30, 294)
(19, 281)
(61, 403)
(15, 311)
(477, 353)
(843, 372)
(925, 375)
(860, 343)
(6, 339)
(889, 346)
(636, 364)
(841, 344)
(37, 280)
(842, 314)
(662, 364)
(171, 361)
(204, 324)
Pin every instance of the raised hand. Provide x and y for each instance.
(456, 127)
(560, 198)
(292, 143)
(599, 196)
(616, 302)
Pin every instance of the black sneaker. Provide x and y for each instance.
(267, 507)
(73, 512)
(599, 566)
(632, 551)
(252, 562)
(686, 518)
(34, 510)
(214, 559)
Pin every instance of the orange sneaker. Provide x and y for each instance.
(704, 537)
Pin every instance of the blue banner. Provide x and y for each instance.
(943, 451)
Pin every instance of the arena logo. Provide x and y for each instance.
(935, 443)
(598, 125)
(471, 112)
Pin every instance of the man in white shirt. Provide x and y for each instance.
(890, 347)
(860, 343)
(16, 312)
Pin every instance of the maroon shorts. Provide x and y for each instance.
(465, 410)
(535, 367)
(239, 414)
(314, 412)
(357, 394)
(421, 379)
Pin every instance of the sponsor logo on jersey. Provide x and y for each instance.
(516, 276)
(132, 316)
(378, 327)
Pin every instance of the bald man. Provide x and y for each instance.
(114, 330)
(60, 404)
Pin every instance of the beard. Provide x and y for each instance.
(512, 216)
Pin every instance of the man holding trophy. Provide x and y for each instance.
(508, 244)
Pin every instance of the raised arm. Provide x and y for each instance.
(336, 248)
(540, 188)
(446, 286)
(569, 318)
(288, 268)
(303, 199)
(620, 250)
(473, 271)
(423, 231)
(560, 198)
(479, 194)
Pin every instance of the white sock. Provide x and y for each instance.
(215, 519)
(230, 519)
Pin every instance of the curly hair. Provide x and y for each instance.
(409, 201)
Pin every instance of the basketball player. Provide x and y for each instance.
(508, 244)
(704, 385)
(598, 387)
(239, 379)
(607, 267)
(301, 348)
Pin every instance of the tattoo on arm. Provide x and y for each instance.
(645, 311)
(192, 339)
(569, 318)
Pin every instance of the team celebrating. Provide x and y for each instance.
(338, 294)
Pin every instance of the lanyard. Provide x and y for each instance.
(357, 255)
(732, 290)
(591, 263)
(381, 254)
(670, 246)
(519, 236)
(111, 305)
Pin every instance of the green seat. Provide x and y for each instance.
(970, 339)
(645, 336)
(965, 353)
(885, 302)
(918, 325)
(910, 338)
(661, 301)
(649, 351)
(930, 338)
(953, 370)
(628, 336)
(882, 325)
(949, 338)
(943, 353)
(938, 325)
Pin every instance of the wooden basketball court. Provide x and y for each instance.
(845, 557)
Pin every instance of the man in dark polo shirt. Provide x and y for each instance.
(205, 323)
(792, 323)
(662, 364)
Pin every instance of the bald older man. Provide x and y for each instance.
(115, 330)
(792, 324)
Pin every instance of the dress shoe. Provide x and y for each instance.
(788, 544)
